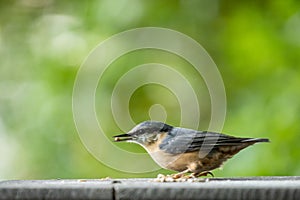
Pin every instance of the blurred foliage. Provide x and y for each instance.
(255, 44)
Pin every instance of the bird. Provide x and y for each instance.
(184, 150)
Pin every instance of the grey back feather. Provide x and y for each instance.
(181, 140)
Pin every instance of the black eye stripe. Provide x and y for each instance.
(150, 128)
(165, 128)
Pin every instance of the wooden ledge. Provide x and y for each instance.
(284, 188)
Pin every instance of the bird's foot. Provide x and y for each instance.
(197, 175)
(177, 176)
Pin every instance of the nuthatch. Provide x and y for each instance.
(186, 150)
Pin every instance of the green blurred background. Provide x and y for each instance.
(255, 44)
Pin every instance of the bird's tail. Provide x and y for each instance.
(255, 140)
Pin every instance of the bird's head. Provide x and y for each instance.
(145, 133)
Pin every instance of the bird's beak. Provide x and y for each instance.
(122, 137)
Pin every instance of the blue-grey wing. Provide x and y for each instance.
(181, 140)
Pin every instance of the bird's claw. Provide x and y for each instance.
(206, 173)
